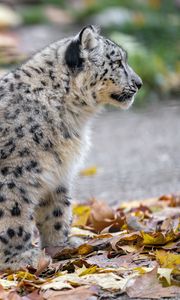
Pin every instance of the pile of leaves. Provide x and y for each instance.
(132, 249)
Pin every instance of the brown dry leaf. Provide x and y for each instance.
(85, 249)
(103, 261)
(33, 296)
(147, 286)
(102, 216)
(80, 293)
(43, 263)
(122, 239)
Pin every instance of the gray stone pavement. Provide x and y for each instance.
(137, 154)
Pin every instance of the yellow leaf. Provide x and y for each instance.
(89, 171)
(157, 238)
(168, 260)
(85, 271)
(85, 249)
(21, 275)
(81, 214)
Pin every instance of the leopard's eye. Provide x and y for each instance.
(118, 62)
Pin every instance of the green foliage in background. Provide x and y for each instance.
(151, 37)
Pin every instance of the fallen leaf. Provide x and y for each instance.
(147, 286)
(89, 171)
(81, 215)
(168, 260)
(80, 293)
(43, 263)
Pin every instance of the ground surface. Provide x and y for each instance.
(136, 151)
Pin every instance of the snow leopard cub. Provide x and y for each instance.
(45, 108)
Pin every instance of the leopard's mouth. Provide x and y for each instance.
(122, 97)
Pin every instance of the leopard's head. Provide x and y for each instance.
(100, 69)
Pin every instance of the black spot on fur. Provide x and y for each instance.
(57, 212)
(22, 191)
(72, 56)
(19, 247)
(27, 237)
(16, 76)
(19, 131)
(11, 232)
(64, 130)
(31, 165)
(24, 152)
(11, 87)
(20, 231)
(11, 185)
(51, 75)
(48, 145)
(57, 225)
(67, 202)
(36, 70)
(43, 83)
(26, 199)
(49, 63)
(1, 213)
(8, 115)
(18, 171)
(15, 211)
(38, 89)
(26, 73)
(61, 189)
(7, 252)
(3, 240)
(4, 171)
(2, 198)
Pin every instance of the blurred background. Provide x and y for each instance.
(135, 153)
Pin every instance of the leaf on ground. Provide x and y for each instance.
(157, 238)
(103, 261)
(121, 248)
(81, 215)
(80, 293)
(102, 216)
(43, 263)
(168, 260)
(147, 286)
(89, 171)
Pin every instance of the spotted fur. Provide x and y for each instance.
(46, 106)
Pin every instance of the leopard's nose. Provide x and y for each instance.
(138, 82)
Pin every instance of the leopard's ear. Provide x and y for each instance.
(85, 40)
(88, 37)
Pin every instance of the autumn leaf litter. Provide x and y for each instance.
(132, 249)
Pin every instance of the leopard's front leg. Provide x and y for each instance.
(53, 218)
